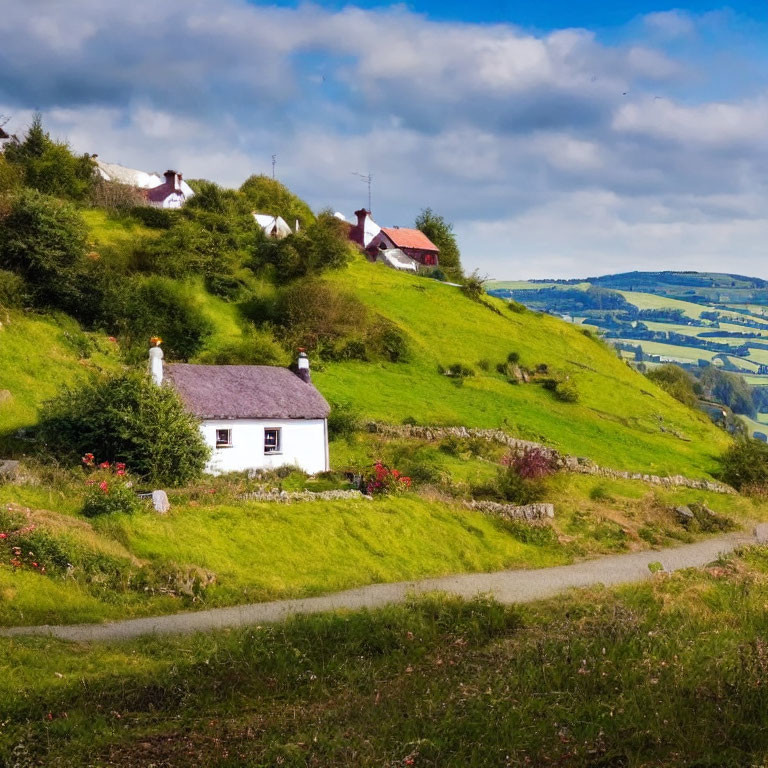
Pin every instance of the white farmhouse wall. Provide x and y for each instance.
(304, 442)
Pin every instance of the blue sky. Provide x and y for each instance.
(562, 139)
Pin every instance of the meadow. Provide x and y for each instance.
(669, 672)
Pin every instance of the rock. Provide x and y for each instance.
(761, 533)
(9, 469)
(5, 396)
(160, 502)
(684, 514)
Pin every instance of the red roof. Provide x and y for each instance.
(409, 238)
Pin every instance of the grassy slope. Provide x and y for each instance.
(670, 672)
(617, 422)
(259, 551)
(38, 356)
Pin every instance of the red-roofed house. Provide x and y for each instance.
(172, 193)
(412, 242)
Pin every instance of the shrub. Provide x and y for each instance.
(440, 232)
(13, 290)
(745, 465)
(156, 218)
(457, 371)
(384, 480)
(343, 421)
(107, 497)
(127, 418)
(566, 391)
(484, 364)
(50, 166)
(516, 307)
(474, 286)
(513, 358)
(44, 241)
(531, 464)
(390, 341)
(676, 382)
(157, 306)
(257, 347)
(114, 196)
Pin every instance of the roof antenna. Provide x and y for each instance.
(367, 179)
(274, 163)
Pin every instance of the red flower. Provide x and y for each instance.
(3, 535)
(103, 485)
(104, 465)
(88, 459)
(120, 472)
(120, 465)
(112, 339)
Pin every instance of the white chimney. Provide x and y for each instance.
(303, 367)
(297, 226)
(156, 362)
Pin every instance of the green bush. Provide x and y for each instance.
(745, 465)
(343, 421)
(126, 418)
(50, 166)
(390, 342)
(675, 381)
(44, 241)
(13, 290)
(566, 391)
(114, 497)
(156, 218)
(257, 347)
(142, 307)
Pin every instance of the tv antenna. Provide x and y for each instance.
(368, 179)
(274, 163)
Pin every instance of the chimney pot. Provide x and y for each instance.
(303, 367)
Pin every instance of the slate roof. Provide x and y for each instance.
(245, 392)
(409, 238)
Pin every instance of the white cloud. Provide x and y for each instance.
(546, 150)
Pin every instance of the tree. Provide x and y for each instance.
(50, 166)
(127, 418)
(44, 241)
(265, 195)
(440, 232)
(676, 382)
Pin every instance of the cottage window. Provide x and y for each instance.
(272, 440)
(223, 438)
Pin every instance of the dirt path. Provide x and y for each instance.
(505, 586)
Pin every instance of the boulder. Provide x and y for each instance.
(160, 502)
(685, 515)
(9, 469)
(5, 396)
(761, 533)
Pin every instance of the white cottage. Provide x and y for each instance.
(253, 416)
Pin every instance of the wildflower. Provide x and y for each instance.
(88, 459)
(120, 472)
(120, 465)
(104, 465)
(112, 339)
(3, 535)
(34, 565)
(103, 485)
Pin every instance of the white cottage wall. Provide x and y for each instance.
(304, 442)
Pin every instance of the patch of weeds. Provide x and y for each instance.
(600, 493)
(538, 534)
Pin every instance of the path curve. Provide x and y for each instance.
(506, 586)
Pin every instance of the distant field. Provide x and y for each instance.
(684, 354)
(652, 301)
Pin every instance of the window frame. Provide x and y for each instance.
(228, 443)
(278, 447)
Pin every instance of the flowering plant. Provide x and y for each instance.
(109, 489)
(385, 480)
(156, 340)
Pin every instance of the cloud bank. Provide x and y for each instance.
(554, 154)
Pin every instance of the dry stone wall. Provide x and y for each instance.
(563, 461)
(528, 512)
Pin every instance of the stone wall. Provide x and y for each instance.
(561, 460)
(286, 497)
(529, 512)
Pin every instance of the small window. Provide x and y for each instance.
(223, 438)
(272, 440)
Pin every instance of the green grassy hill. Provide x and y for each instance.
(621, 420)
